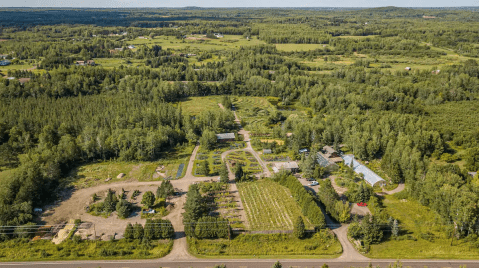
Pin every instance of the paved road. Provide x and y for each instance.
(248, 263)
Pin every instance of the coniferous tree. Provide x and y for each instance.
(129, 232)
(299, 228)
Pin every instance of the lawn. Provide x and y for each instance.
(421, 235)
(319, 245)
(269, 206)
(45, 250)
(170, 165)
(246, 159)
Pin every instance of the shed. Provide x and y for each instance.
(224, 137)
(267, 151)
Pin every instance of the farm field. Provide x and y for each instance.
(249, 162)
(319, 245)
(421, 235)
(299, 47)
(192, 43)
(269, 206)
(253, 110)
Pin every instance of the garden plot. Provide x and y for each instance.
(269, 206)
(214, 157)
(246, 159)
(225, 203)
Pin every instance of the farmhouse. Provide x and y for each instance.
(369, 176)
(224, 137)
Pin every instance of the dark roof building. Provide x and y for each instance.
(225, 137)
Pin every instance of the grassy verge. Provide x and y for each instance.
(319, 245)
(45, 250)
(422, 235)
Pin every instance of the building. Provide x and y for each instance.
(4, 62)
(131, 47)
(302, 151)
(407, 68)
(326, 163)
(267, 151)
(369, 176)
(288, 166)
(218, 35)
(80, 62)
(90, 62)
(225, 137)
(23, 80)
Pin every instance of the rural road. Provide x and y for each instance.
(241, 263)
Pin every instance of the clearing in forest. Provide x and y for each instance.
(422, 234)
(268, 206)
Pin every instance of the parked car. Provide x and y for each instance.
(314, 183)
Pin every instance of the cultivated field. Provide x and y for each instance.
(196, 105)
(269, 206)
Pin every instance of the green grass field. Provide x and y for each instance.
(320, 245)
(418, 222)
(196, 105)
(299, 47)
(269, 206)
(45, 250)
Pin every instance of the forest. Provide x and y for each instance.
(388, 84)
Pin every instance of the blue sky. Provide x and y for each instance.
(236, 3)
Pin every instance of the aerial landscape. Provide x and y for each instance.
(239, 137)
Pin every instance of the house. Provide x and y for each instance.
(4, 62)
(80, 62)
(131, 47)
(329, 152)
(369, 176)
(90, 62)
(267, 151)
(225, 137)
(407, 68)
